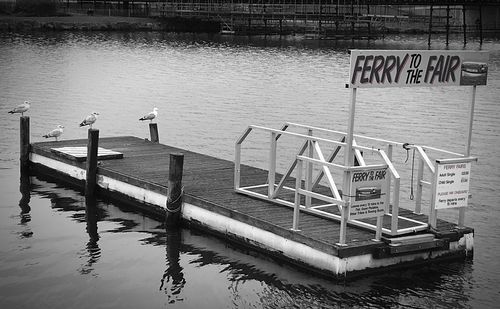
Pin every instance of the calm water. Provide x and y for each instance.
(208, 89)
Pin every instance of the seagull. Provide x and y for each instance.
(55, 133)
(151, 115)
(21, 108)
(89, 120)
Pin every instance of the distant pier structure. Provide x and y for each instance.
(322, 19)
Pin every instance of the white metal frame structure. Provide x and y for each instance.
(351, 149)
(306, 154)
(310, 154)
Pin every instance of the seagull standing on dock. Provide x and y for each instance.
(55, 133)
(21, 108)
(150, 116)
(89, 120)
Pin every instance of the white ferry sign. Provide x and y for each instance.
(368, 192)
(417, 68)
(452, 185)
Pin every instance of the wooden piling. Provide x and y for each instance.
(153, 132)
(447, 25)
(430, 26)
(91, 176)
(24, 153)
(480, 25)
(175, 191)
(464, 24)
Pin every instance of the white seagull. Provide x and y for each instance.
(55, 133)
(21, 108)
(150, 116)
(89, 120)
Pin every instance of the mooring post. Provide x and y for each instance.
(91, 179)
(24, 153)
(175, 191)
(153, 132)
(464, 24)
(430, 26)
(447, 25)
(480, 25)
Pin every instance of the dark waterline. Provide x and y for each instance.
(53, 255)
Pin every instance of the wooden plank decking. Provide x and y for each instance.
(208, 182)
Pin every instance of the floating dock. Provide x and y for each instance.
(338, 218)
(135, 170)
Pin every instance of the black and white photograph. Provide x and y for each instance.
(249, 154)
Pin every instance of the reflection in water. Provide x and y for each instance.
(92, 247)
(256, 280)
(173, 275)
(24, 202)
(283, 286)
(25, 189)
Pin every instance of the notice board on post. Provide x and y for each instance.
(417, 68)
(368, 191)
(451, 184)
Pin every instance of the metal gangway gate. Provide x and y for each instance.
(311, 165)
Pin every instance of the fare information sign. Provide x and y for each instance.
(452, 185)
(368, 193)
(417, 68)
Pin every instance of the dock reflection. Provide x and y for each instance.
(173, 280)
(92, 246)
(280, 285)
(24, 202)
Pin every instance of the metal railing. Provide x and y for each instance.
(426, 164)
(310, 156)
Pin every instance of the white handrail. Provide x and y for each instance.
(307, 159)
(389, 142)
(426, 159)
(344, 133)
(307, 137)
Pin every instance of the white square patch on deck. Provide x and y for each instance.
(80, 153)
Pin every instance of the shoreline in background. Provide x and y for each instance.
(80, 22)
(84, 22)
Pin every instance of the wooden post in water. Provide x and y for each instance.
(480, 25)
(464, 24)
(447, 25)
(153, 132)
(24, 154)
(91, 180)
(430, 26)
(175, 191)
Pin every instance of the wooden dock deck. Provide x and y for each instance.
(209, 191)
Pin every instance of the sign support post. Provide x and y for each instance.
(433, 212)
(348, 162)
(461, 210)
